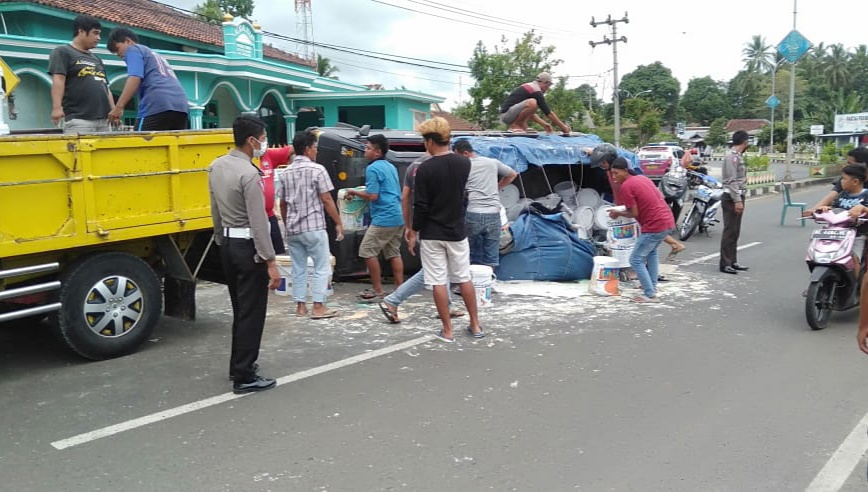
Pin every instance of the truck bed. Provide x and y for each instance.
(67, 191)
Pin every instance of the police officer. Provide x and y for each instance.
(241, 229)
(734, 181)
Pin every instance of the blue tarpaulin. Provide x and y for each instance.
(546, 248)
(521, 152)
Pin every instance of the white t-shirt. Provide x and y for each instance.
(482, 192)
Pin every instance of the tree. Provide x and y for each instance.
(497, 73)
(209, 12)
(325, 68)
(758, 56)
(716, 135)
(566, 104)
(665, 89)
(836, 66)
(212, 10)
(588, 96)
(704, 100)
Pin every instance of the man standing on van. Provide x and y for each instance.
(383, 190)
(241, 231)
(162, 102)
(521, 105)
(80, 95)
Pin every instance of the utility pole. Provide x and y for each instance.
(614, 42)
(788, 175)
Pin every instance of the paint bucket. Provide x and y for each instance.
(352, 212)
(622, 232)
(483, 278)
(604, 277)
(567, 191)
(284, 267)
(622, 255)
(588, 197)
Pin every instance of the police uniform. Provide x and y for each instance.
(241, 228)
(734, 181)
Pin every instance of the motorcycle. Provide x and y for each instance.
(835, 272)
(706, 203)
(673, 186)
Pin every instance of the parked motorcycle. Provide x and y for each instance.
(673, 186)
(706, 202)
(835, 272)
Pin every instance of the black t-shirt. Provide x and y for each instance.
(438, 209)
(85, 94)
(526, 91)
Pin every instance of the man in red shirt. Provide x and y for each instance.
(268, 162)
(645, 203)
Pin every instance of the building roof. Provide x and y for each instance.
(750, 126)
(159, 18)
(456, 123)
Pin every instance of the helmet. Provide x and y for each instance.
(603, 152)
(673, 186)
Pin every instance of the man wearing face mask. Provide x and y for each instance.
(241, 230)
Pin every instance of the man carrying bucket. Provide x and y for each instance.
(645, 203)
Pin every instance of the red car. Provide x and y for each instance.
(655, 159)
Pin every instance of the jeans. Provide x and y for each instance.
(483, 234)
(313, 244)
(644, 260)
(411, 286)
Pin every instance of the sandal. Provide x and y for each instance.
(644, 300)
(388, 313)
(443, 339)
(371, 294)
(674, 252)
(454, 313)
(479, 334)
(330, 313)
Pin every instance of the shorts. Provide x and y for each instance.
(385, 239)
(445, 261)
(76, 125)
(512, 113)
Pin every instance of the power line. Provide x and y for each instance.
(446, 18)
(480, 15)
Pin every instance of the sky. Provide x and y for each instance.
(693, 39)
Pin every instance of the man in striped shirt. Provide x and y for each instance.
(305, 197)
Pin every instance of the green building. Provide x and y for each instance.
(224, 69)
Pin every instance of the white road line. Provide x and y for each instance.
(715, 255)
(843, 461)
(216, 400)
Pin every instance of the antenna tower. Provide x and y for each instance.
(304, 29)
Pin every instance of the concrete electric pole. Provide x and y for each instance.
(614, 42)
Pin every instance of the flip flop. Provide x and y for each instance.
(331, 313)
(674, 252)
(644, 300)
(371, 294)
(481, 333)
(391, 316)
(454, 313)
(443, 339)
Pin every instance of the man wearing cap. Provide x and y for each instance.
(521, 105)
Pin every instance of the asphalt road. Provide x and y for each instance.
(721, 387)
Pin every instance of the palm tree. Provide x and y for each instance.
(836, 66)
(758, 55)
(325, 68)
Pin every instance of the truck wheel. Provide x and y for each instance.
(111, 303)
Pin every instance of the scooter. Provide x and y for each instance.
(703, 211)
(673, 186)
(835, 271)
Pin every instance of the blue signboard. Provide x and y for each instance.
(793, 46)
(773, 101)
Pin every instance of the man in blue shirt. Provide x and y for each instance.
(383, 190)
(162, 102)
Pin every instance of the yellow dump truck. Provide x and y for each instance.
(99, 232)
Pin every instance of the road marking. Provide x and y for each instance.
(715, 255)
(843, 461)
(216, 400)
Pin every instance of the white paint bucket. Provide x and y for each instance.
(622, 255)
(352, 212)
(604, 277)
(483, 278)
(622, 232)
(284, 266)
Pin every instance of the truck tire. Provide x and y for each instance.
(110, 305)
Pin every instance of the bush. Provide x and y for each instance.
(757, 163)
(830, 154)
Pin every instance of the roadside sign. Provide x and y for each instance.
(816, 129)
(793, 46)
(10, 80)
(773, 101)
